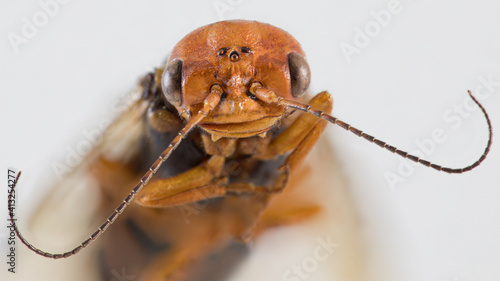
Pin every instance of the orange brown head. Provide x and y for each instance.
(234, 55)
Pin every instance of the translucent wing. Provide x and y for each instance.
(74, 205)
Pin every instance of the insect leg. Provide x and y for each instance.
(303, 134)
(191, 186)
(312, 131)
(298, 130)
(299, 137)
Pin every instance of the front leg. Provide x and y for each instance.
(300, 137)
(199, 183)
(299, 130)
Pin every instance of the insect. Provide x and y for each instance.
(223, 126)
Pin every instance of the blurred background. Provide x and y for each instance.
(398, 70)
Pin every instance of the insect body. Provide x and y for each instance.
(226, 118)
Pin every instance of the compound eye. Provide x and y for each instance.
(300, 74)
(171, 82)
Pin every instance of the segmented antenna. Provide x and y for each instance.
(268, 96)
(210, 102)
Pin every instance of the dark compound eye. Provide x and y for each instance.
(246, 50)
(300, 74)
(171, 82)
(222, 51)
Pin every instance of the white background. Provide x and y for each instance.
(432, 226)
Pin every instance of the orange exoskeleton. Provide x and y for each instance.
(226, 117)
